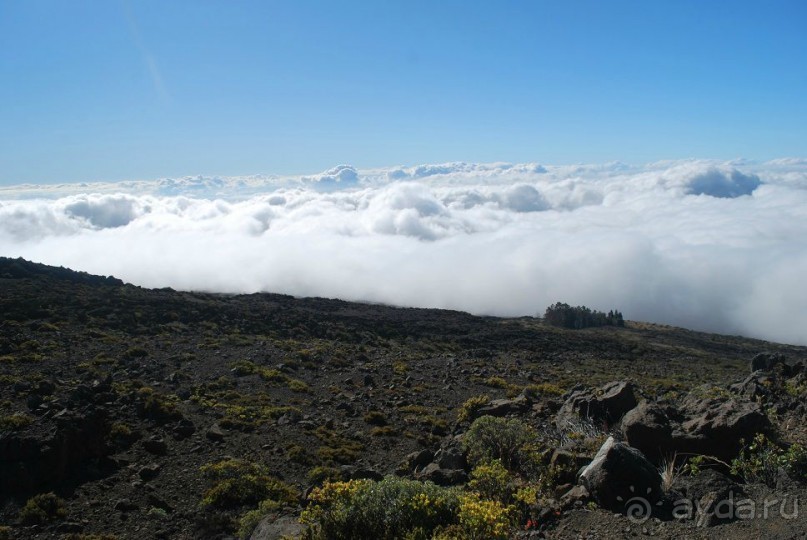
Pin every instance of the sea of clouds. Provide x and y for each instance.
(710, 245)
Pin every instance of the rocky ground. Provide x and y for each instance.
(124, 402)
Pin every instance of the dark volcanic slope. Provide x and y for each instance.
(109, 391)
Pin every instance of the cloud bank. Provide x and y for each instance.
(715, 246)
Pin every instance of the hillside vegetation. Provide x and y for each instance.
(136, 413)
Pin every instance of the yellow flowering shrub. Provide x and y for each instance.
(492, 481)
(482, 519)
(391, 508)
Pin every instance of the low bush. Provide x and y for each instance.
(761, 461)
(238, 483)
(492, 481)
(250, 520)
(15, 421)
(42, 508)
(390, 508)
(469, 409)
(490, 438)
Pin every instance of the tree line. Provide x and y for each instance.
(577, 317)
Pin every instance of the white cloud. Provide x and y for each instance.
(711, 245)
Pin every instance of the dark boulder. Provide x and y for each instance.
(647, 428)
(442, 477)
(716, 427)
(620, 478)
(755, 386)
(567, 465)
(413, 462)
(451, 456)
(32, 462)
(604, 406)
(766, 361)
(505, 407)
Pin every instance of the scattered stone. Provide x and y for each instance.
(149, 472)
(158, 502)
(69, 527)
(575, 494)
(156, 446)
(125, 505)
(184, 429)
(215, 433)
(505, 407)
(277, 528)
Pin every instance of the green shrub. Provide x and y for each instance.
(543, 389)
(384, 431)
(321, 474)
(296, 385)
(237, 483)
(158, 407)
(242, 368)
(491, 481)
(250, 520)
(388, 509)
(42, 508)
(497, 382)
(482, 519)
(15, 421)
(469, 409)
(761, 461)
(491, 438)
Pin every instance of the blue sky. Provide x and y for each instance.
(105, 90)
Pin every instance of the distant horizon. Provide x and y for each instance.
(738, 160)
(710, 245)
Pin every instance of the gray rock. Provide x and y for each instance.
(619, 475)
(414, 461)
(277, 528)
(451, 456)
(752, 387)
(156, 446)
(442, 477)
(647, 428)
(766, 361)
(573, 495)
(149, 472)
(606, 406)
(715, 427)
(567, 464)
(215, 433)
(505, 407)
